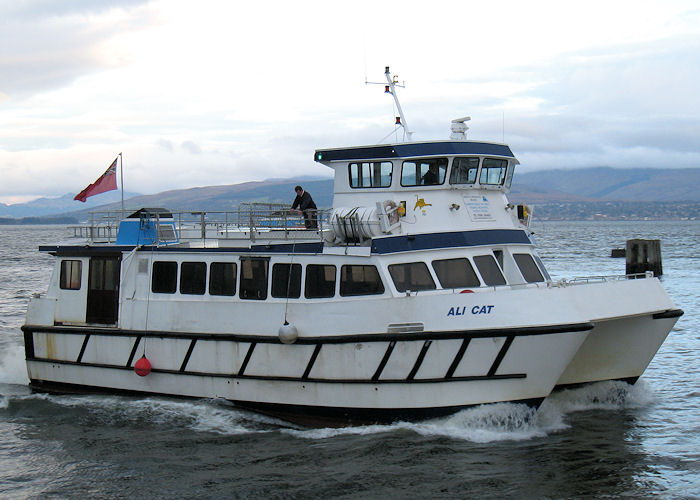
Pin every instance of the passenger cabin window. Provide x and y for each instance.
(456, 273)
(544, 269)
(222, 278)
(360, 280)
(414, 276)
(528, 268)
(493, 172)
(489, 270)
(464, 170)
(253, 279)
(424, 172)
(164, 279)
(286, 284)
(193, 278)
(370, 174)
(71, 272)
(320, 281)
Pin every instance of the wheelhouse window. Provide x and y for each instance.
(193, 278)
(370, 174)
(456, 273)
(489, 270)
(164, 278)
(528, 268)
(426, 172)
(222, 278)
(253, 279)
(286, 281)
(413, 276)
(360, 280)
(71, 272)
(493, 172)
(320, 281)
(464, 170)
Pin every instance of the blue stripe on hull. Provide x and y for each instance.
(449, 240)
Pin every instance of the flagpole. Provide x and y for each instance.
(121, 172)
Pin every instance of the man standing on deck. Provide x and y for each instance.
(306, 206)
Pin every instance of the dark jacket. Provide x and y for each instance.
(304, 202)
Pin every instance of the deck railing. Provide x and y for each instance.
(249, 220)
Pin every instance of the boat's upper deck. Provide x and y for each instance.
(454, 190)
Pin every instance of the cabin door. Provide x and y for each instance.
(103, 290)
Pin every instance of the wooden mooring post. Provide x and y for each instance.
(642, 256)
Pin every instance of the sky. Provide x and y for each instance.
(217, 92)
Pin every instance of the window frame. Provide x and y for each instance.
(212, 274)
(470, 268)
(291, 280)
(311, 282)
(355, 286)
(489, 281)
(194, 270)
(370, 171)
(243, 283)
(409, 270)
(485, 168)
(66, 276)
(457, 159)
(441, 162)
(531, 266)
(155, 272)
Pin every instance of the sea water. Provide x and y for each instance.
(603, 440)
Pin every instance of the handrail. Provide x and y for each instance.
(249, 220)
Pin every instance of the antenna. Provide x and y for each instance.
(391, 89)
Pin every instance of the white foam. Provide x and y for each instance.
(611, 395)
(508, 421)
(13, 369)
(198, 415)
(481, 424)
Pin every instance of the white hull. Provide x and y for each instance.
(377, 380)
(619, 349)
(632, 319)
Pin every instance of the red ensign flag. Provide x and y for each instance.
(106, 182)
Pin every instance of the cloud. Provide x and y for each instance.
(219, 92)
(191, 148)
(46, 44)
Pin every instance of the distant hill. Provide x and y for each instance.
(615, 184)
(612, 192)
(61, 205)
(228, 197)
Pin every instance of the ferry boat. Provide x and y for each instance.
(418, 294)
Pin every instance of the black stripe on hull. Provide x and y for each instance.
(183, 366)
(308, 416)
(83, 347)
(373, 381)
(577, 385)
(671, 313)
(330, 339)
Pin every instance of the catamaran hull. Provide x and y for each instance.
(397, 377)
(619, 349)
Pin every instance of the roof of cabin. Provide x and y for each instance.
(413, 149)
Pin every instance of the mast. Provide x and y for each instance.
(121, 177)
(391, 89)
